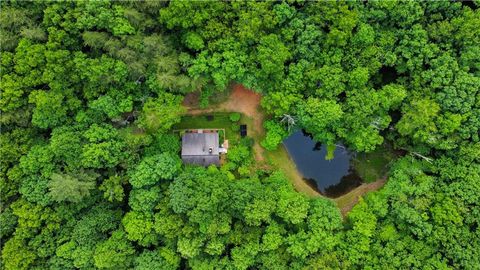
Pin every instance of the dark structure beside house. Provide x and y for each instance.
(243, 130)
(200, 149)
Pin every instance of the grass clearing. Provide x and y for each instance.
(280, 159)
(374, 165)
(347, 201)
(220, 120)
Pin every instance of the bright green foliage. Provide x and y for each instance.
(194, 41)
(16, 255)
(89, 230)
(321, 118)
(104, 149)
(13, 145)
(116, 252)
(112, 107)
(161, 114)
(139, 228)
(65, 144)
(238, 155)
(144, 200)
(235, 117)
(292, 207)
(65, 187)
(418, 121)
(275, 135)
(113, 188)
(155, 168)
(35, 167)
(49, 109)
(272, 55)
(164, 143)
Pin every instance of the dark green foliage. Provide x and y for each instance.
(157, 259)
(8, 224)
(164, 143)
(90, 173)
(152, 169)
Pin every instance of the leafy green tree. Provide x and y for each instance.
(116, 252)
(162, 113)
(65, 143)
(91, 228)
(9, 222)
(49, 109)
(274, 136)
(164, 143)
(321, 118)
(64, 187)
(13, 145)
(152, 169)
(418, 120)
(16, 255)
(35, 168)
(112, 188)
(139, 228)
(272, 54)
(104, 147)
(200, 194)
(292, 207)
(162, 258)
(144, 200)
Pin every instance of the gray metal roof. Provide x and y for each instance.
(198, 144)
(202, 160)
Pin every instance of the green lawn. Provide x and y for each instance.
(280, 159)
(373, 166)
(221, 120)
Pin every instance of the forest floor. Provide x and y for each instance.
(247, 102)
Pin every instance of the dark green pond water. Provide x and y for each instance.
(332, 178)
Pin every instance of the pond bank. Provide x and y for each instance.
(345, 203)
(247, 102)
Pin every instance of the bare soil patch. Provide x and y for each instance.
(247, 102)
(241, 100)
(191, 99)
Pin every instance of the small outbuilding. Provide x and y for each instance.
(243, 130)
(200, 148)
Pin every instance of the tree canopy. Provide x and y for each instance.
(91, 176)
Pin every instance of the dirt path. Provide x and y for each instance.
(348, 201)
(241, 100)
(247, 102)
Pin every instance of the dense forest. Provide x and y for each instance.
(91, 175)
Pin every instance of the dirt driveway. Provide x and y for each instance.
(247, 102)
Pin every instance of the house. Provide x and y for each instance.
(200, 148)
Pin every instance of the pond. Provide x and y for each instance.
(332, 178)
